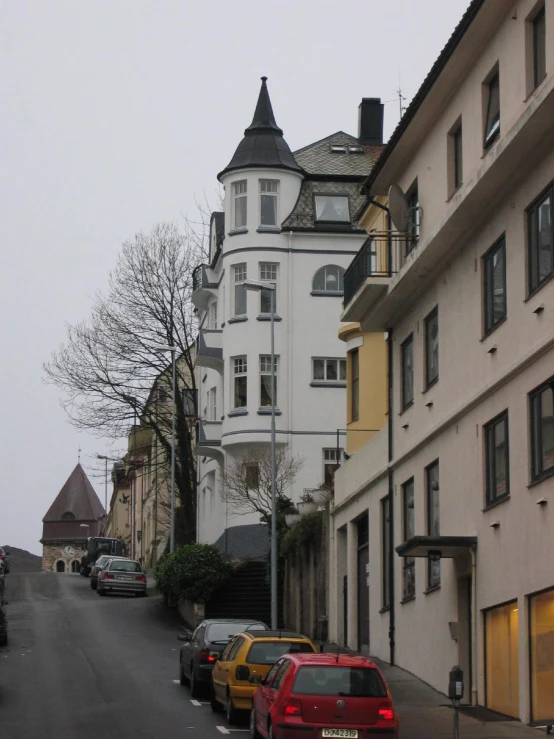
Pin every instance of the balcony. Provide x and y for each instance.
(209, 351)
(208, 439)
(204, 286)
(368, 277)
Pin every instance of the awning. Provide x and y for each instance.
(448, 546)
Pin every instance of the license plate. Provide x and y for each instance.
(350, 733)
(125, 577)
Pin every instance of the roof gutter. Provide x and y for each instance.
(451, 46)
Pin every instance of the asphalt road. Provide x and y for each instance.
(82, 667)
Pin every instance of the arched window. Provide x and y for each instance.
(68, 516)
(329, 279)
(60, 566)
(75, 565)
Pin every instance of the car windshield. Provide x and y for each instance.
(268, 652)
(123, 565)
(226, 631)
(360, 682)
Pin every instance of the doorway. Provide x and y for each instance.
(60, 566)
(363, 585)
(75, 566)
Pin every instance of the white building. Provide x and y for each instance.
(288, 219)
(455, 497)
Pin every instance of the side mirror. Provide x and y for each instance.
(145, 572)
(256, 680)
(184, 636)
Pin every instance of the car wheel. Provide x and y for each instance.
(254, 733)
(4, 640)
(194, 687)
(214, 703)
(182, 678)
(231, 712)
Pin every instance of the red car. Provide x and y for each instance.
(316, 696)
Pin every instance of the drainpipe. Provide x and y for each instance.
(474, 667)
(392, 626)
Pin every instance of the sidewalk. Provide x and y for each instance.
(424, 713)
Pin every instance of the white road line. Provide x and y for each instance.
(222, 729)
(195, 703)
(176, 681)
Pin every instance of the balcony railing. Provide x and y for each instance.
(382, 255)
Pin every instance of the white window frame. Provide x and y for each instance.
(325, 379)
(212, 404)
(240, 369)
(337, 195)
(213, 315)
(265, 371)
(240, 273)
(323, 270)
(269, 193)
(240, 191)
(268, 273)
(330, 458)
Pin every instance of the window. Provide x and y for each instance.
(433, 520)
(539, 47)
(385, 550)
(497, 459)
(541, 240)
(413, 206)
(239, 275)
(407, 350)
(332, 209)
(275, 685)
(432, 347)
(252, 476)
(541, 629)
(339, 680)
(213, 316)
(502, 659)
(328, 370)
(239, 204)
(189, 402)
(494, 269)
(330, 465)
(268, 273)
(408, 569)
(455, 151)
(271, 674)
(212, 404)
(240, 382)
(354, 385)
(265, 380)
(492, 119)
(329, 279)
(269, 192)
(542, 430)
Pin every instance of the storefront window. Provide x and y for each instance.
(501, 659)
(541, 625)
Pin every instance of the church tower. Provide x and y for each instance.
(75, 514)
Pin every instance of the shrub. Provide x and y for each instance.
(194, 571)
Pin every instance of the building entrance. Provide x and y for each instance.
(363, 585)
(60, 566)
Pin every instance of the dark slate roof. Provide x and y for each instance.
(78, 497)
(302, 215)
(318, 159)
(245, 542)
(263, 144)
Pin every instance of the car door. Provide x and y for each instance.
(196, 643)
(186, 651)
(221, 679)
(264, 695)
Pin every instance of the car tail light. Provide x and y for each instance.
(386, 712)
(107, 576)
(141, 578)
(206, 657)
(293, 707)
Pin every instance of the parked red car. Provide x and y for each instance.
(323, 695)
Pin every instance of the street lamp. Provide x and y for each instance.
(106, 459)
(173, 350)
(258, 285)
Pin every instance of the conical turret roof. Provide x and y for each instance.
(263, 144)
(76, 497)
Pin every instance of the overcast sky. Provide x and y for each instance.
(116, 114)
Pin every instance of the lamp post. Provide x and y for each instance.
(258, 285)
(106, 459)
(173, 350)
(133, 401)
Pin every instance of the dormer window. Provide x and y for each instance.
(239, 204)
(332, 209)
(355, 150)
(338, 149)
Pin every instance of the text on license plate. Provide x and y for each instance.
(351, 733)
(125, 577)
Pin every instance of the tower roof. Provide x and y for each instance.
(263, 144)
(76, 497)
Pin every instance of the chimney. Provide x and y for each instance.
(370, 121)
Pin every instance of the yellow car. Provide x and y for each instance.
(245, 662)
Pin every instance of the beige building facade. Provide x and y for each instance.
(455, 495)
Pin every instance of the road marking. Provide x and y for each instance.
(176, 681)
(223, 729)
(195, 703)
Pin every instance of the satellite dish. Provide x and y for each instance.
(399, 208)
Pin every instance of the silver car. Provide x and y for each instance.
(99, 565)
(122, 576)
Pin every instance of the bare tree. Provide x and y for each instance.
(247, 481)
(109, 369)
